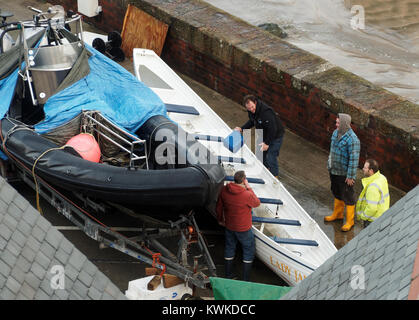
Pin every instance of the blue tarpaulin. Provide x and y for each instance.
(108, 88)
(11, 60)
(7, 91)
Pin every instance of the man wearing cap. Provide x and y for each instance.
(342, 165)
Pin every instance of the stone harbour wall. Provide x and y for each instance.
(235, 59)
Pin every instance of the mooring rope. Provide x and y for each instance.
(38, 206)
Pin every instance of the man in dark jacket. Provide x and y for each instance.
(262, 116)
(234, 211)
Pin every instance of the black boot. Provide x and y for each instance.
(229, 264)
(247, 267)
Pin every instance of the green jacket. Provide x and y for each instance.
(374, 198)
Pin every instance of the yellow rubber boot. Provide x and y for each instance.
(338, 209)
(350, 213)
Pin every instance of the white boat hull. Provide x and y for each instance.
(281, 261)
(292, 262)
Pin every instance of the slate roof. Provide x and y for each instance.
(29, 249)
(384, 254)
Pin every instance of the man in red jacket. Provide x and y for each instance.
(234, 211)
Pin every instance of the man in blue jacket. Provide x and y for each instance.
(262, 116)
(342, 165)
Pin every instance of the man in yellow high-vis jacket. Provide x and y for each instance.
(374, 199)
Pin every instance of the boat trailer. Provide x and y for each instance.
(181, 264)
(192, 257)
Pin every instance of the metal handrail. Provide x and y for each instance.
(136, 140)
(52, 23)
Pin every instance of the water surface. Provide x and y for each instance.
(385, 50)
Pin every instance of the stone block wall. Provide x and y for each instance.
(235, 59)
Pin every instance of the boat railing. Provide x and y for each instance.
(54, 17)
(96, 120)
(46, 66)
(49, 66)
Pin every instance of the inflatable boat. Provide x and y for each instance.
(56, 89)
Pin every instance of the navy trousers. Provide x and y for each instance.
(270, 157)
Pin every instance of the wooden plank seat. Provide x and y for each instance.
(231, 159)
(301, 242)
(250, 180)
(271, 201)
(206, 137)
(177, 108)
(276, 221)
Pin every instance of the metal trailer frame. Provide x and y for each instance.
(186, 226)
(173, 264)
